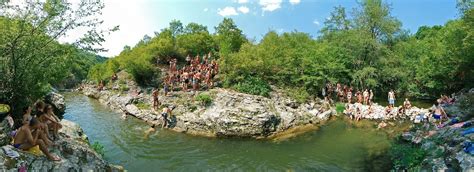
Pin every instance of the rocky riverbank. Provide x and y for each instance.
(447, 147)
(73, 148)
(230, 114)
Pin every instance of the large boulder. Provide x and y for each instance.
(57, 100)
(73, 149)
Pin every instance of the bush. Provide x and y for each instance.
(299, 94)
(99, 148)
(406, 156)
(204, 99)
(340, 107)
(253, 85)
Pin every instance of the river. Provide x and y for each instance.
(336, 146)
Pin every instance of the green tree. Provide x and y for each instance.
(31, 58)
(228, 37)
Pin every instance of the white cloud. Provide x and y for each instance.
(270, 5)
(227, 11)
(242, 1)
(316, 22)
(243, 9)
(294, 2)
(206, 9)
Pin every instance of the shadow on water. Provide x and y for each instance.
(336, 146)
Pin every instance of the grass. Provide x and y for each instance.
(142, 105)
(99, 148)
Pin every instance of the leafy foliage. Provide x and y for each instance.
(99, 148)
(204, 98)
(406, 156)
(253, 85)
(31, 58)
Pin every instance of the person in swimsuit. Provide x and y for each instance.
(30, 135)
(359, 97)
(349, 96)
(149, 131)
(365, 94)
(165, 114)
(26, 115)
(40, 110)
(371, 96)
(439, 113)
(391, 98)
(156, 103)
(51, 120)
(407, 104)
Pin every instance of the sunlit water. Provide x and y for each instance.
(337, 146)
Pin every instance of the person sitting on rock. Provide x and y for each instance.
(407, 104)
(26, 139)
(26, 115)
(51, 120)
(358, 115)
(40, 111)
(349, 111)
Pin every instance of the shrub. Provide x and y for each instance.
(253, 85)
(99, 148)
(204, 99)
(299, 94)
(406, 156)
(340, 107)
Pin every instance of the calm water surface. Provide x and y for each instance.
(337, 146)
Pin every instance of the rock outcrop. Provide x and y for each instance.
(231, 114)
(448, 146)
(57, 100)
(73, 148)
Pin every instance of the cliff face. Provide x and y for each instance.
(230, 113)
(73, 148)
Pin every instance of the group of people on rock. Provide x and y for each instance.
(195, 73)
(358, 110)
(346, 93)
(39, 128)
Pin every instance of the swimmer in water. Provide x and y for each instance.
(150, 131)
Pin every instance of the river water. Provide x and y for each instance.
(336, 146)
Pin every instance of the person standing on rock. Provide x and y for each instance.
(391, 98)
(349, 96)
(167, 112)
(366, 96)
(371, 96)
(31, 134)
(156, 103)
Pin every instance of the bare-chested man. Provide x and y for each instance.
(167, 112)
(365, 94)
(156, 102)
(439, 113)
(359, 97)
(26, 139)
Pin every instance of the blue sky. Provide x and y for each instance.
(254, 17)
